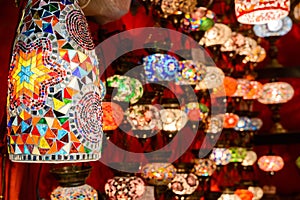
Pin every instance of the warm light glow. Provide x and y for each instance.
(257, 192)
(261, 12)
(229, 197)
(213, 79)
(190, 72)
(250, 158)
(196, 111)
(270, 163)
(184, 184)
(125, 188)
(158, 173)
(217, 35)
(276, 92)
(244, 194)
(204, 167)
(230, 120)
(112, 115)
(237, 154)
(221, 156)
(173, 119)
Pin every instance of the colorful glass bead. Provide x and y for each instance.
(276, 92)
(158, 173)
(54, 94)
(128, 89)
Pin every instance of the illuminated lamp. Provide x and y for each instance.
(270, 163)
(54, 97)
(261, 12)
(112, 115)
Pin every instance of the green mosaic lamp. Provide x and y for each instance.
(54, 93)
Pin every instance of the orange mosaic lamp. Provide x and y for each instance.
(112, 116)
(54, 93)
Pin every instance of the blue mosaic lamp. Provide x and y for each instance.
(54, 91)
(160, 67)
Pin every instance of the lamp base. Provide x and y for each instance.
(277, 128)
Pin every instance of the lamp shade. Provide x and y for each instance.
(270, 163)
(214, 124)
(213, 79)
(230, 120)
(257, 192)
(54, 101)
(128, 89)
(243, 124)
(250, 158)
(72, 183)
(124, 188)
(173, 119)
(204, 167)
(244, 194)
(158, 173)
(274, 28)
(217, 35)
(221, 156)
(229, 197)
(261, 12)
(256, 124)
(237, 154)
(196, 111)
(144, 117)
(112, 115)
(160, 67)
(236, 41)
(190, 72)
(184, 184)
(170, 7)
(200, 19)
(276, 92)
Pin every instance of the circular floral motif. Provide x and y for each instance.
(77, 27)
(87, 115)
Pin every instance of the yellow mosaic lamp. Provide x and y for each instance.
(54, 93)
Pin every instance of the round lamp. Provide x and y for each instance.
(261, 12)
(112, 115)
(221, 156)
(270, 163)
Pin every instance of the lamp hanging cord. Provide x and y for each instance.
(38, 183)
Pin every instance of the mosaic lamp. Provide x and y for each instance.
(217, 35)
(54, 96)
(270, 163)
(229, 196)
(112, 115)
(158, 173)
(172, 119)
(274, 28)
(249, 159)
(204, 167)
(261, 12)
(125, 188)
(160, 67)
(221, 156)
(237, 154)
(72, 183)
(257, 192)
(128, 89)
(190, 72)
(196, 111)
(274, 94)
(244, 194)
(184, 183)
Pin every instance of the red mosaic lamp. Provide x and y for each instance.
(112, 116)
